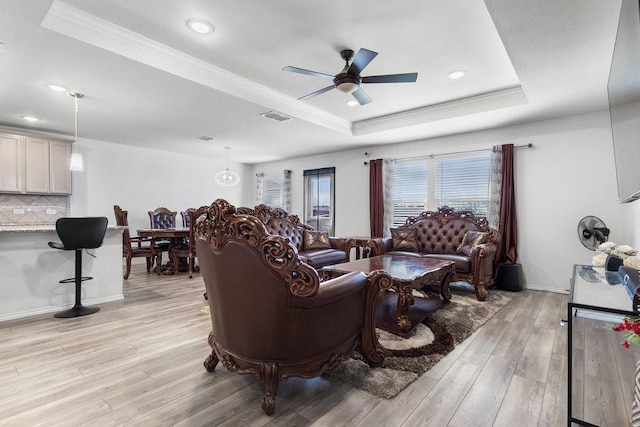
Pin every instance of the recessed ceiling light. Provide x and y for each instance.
(456, 74)
(57, 88)
(352, 103)
(200, 27)
(30, 118)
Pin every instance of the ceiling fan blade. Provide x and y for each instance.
(307, 72)
(392, 78)
(318, 92)
(361, 96)
(361, 60)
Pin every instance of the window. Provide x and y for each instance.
(273, 189)
(319, 199)
(409, 189)
(460, 182)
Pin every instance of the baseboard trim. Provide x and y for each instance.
(53, 309)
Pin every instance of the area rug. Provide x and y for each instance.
(430, 341)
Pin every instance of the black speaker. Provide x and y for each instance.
(612, 263)
(509, 277)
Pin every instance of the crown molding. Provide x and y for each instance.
(90, 29)
(87, 28)
(490, 101)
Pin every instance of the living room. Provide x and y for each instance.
(564, 171)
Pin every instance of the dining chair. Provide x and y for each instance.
(162, 218)
(185, 216)
(188, 248)
(136, 247)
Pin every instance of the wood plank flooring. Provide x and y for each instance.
(138, 362)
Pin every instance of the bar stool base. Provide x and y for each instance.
(76, 311)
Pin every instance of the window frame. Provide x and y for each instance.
(311, 177)
(433, 198)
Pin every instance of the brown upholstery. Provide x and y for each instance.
(280, 223)
(271, 316)
(134, 247)
(187, 249)
(439, 235)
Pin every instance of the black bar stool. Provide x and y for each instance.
(78, 234)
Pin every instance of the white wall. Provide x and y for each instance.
(31, 272)
(567, 175)
(140, 180)
(633, 221)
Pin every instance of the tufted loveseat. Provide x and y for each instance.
(315, 248)
(445, 234)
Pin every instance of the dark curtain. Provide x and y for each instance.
(376, 198)
(507, 251)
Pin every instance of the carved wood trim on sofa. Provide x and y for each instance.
(266, 304)
(436, 242)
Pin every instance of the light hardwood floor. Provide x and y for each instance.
(138, 362)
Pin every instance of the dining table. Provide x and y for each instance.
(175, 235)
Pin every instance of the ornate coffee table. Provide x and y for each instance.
(399, 312)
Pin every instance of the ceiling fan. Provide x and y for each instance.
(348, 80)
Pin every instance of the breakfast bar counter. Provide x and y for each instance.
(30, 271)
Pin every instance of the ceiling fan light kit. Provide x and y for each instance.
(349, 80)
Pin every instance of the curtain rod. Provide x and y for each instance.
(479, 150)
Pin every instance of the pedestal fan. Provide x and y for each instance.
(592, 232)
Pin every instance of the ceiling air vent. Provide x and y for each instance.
(274, 115)
(205, 138)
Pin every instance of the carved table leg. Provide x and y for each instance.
(405, 299)
(445, 292)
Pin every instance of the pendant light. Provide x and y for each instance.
(227, 178)
(76, 158)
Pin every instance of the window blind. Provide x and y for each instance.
(462, 183)
(273, 193)
(409, 190)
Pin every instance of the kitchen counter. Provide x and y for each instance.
(39, 228)
(31, 271)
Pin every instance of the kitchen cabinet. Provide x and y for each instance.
(11, 164)
(59, 173)
(34, 165)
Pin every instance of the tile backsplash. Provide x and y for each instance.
(27, 209)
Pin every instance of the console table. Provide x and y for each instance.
(595, 294)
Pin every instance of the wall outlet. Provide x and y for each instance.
(51, 211)
(18, 211)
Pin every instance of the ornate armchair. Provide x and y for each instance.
(271, 316)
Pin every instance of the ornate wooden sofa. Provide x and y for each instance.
(271, 316)
(315, 248)
(446, 234)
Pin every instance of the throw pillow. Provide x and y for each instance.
(316, 240)
(470, 240)
(405, 239)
